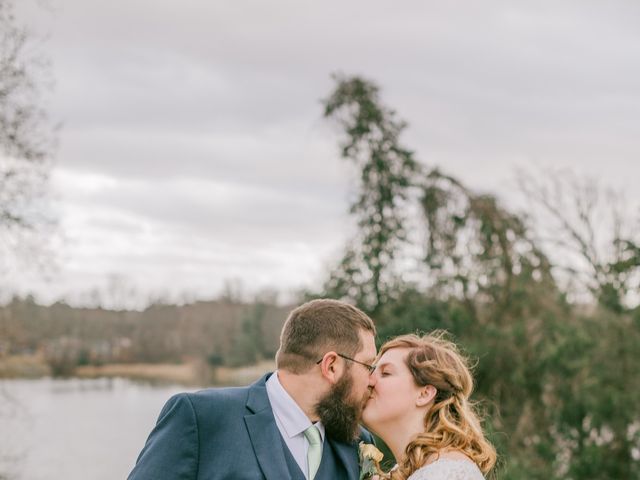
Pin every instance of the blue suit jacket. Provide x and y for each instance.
(223, 433)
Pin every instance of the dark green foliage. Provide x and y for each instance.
(475, 248)
(414, 312)
(371, 142)
(559, 382)
(248, 344)
(618, 275)
(215, 360)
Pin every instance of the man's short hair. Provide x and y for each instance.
(319, 326)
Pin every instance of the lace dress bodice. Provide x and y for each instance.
(448, 469)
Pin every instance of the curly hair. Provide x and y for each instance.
(451, 423)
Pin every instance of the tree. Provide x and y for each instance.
(476, 249)
(558, 378)
(596, 247)
(26, 138)
(372, 143)
(25, 141)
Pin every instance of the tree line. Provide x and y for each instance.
(220, 333)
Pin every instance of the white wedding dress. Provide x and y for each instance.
(448, 469)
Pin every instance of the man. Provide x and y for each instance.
(300, 422)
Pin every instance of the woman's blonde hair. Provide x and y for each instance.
(451, 423)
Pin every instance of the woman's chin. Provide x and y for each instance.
(368, 417)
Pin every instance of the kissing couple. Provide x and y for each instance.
(303, 421)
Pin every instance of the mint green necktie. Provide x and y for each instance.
(314, 455)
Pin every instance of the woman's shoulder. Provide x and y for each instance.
(449, 466)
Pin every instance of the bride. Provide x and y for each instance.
(419, 406)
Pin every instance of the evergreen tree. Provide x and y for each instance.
(372, 142)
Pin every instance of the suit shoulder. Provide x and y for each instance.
(365, 436)
(225, 396)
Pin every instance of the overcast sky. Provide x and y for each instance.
(193, 148)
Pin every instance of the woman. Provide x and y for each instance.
(419, 406)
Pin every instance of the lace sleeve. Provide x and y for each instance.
(448, 469)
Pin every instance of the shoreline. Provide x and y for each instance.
(188, 373)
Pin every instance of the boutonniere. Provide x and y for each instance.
(370, 458)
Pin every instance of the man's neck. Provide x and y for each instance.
(302, 389)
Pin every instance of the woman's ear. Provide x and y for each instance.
(426, 396)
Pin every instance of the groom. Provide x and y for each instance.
(300, 422)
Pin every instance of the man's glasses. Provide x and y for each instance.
(371, 368)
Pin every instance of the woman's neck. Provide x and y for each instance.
(399, 434)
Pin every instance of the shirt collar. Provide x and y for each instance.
(293, 420)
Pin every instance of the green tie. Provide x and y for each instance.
(314, 455)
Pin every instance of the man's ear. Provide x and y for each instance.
(426, 395)
(330, 367)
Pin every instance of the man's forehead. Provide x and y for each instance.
(368, 344)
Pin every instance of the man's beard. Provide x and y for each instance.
(339, 413)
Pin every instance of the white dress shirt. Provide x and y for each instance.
(291, 421)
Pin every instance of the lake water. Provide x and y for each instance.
(75, 429)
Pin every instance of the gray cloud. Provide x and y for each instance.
(204, 119)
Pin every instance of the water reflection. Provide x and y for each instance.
(75, 429)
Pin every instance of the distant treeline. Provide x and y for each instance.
(218, 332)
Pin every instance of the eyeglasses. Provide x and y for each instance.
(371, 368)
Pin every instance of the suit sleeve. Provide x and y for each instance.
(171, 451)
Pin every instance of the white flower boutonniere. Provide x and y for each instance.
(370, 458)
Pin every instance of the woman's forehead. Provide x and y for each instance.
(393, 356)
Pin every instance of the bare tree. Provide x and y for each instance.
(594, 240)
(26, 139)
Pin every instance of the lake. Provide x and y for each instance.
(76, 429)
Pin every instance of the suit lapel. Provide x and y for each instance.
(347, 452)
(264, 434)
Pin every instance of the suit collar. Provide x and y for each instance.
(257, 399)
(264, 434)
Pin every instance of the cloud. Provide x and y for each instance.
(193, 146)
